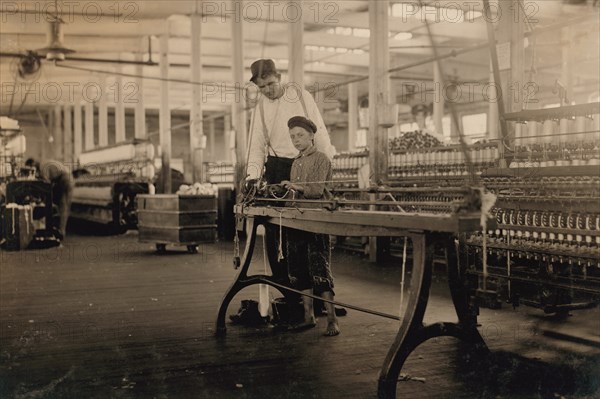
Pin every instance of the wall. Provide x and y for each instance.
(40, 147)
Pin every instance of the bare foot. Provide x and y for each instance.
(305, 325)
(332, 329)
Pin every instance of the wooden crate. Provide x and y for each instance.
(178, 235)
(175, 202)
(17, 227)
(177, 219)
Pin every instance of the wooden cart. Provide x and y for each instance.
(187, 220)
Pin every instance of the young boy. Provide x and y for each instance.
(308, 259)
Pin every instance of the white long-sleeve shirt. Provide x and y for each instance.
(277, 113)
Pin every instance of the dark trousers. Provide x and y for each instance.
(308, 261)
(62, 195)
(277, 170)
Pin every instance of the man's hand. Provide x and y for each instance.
(249, 185)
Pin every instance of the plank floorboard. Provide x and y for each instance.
(107, 317)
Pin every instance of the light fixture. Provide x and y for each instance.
(361, 32)
(402, 36)
(339, 50)
(348, 31)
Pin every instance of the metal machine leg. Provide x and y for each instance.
(412, 332)
(242, 279)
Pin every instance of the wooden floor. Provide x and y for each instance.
(106, 317)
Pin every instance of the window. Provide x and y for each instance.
(447, 126)
(361, 138)
(475, 125)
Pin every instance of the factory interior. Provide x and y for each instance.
(300, 199)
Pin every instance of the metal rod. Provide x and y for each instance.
(345, 305)
(566, 111)
(533, 281)
(459, 190)
(592, 17)
(352, 202)
(559, 134)
(541, 251)
(450, 54)
(107, 61)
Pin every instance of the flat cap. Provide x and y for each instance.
(420, 108)
(262, 68)
(303, 122)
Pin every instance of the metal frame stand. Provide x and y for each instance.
(412, 331)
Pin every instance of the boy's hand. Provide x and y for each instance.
(291, 186)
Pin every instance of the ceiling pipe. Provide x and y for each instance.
(82, 59)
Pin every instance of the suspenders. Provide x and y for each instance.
(262, 117)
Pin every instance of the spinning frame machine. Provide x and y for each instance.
(24, 194)
(532, 239)
(545, 251)
(113, 176)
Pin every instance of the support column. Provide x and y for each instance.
(77, 132)
(379, 98)
(239, 121)
(238, 111)
(352, 115)
(196, 124)
(89, 126)
(226, 129)
(566, 75)
(140, 112)
(103, 115)
(511, 34)
(67, 142)
(379, 88)
(119, 108)
(211, 140)
(506, 39)
(165, 113)
(493, 115)
(438, 101)
(57, 134)
(296, 43)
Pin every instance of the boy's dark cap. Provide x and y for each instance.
(303, 122)
(420, 108)
(262, 68)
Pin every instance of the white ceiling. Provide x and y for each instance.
(126, 34)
